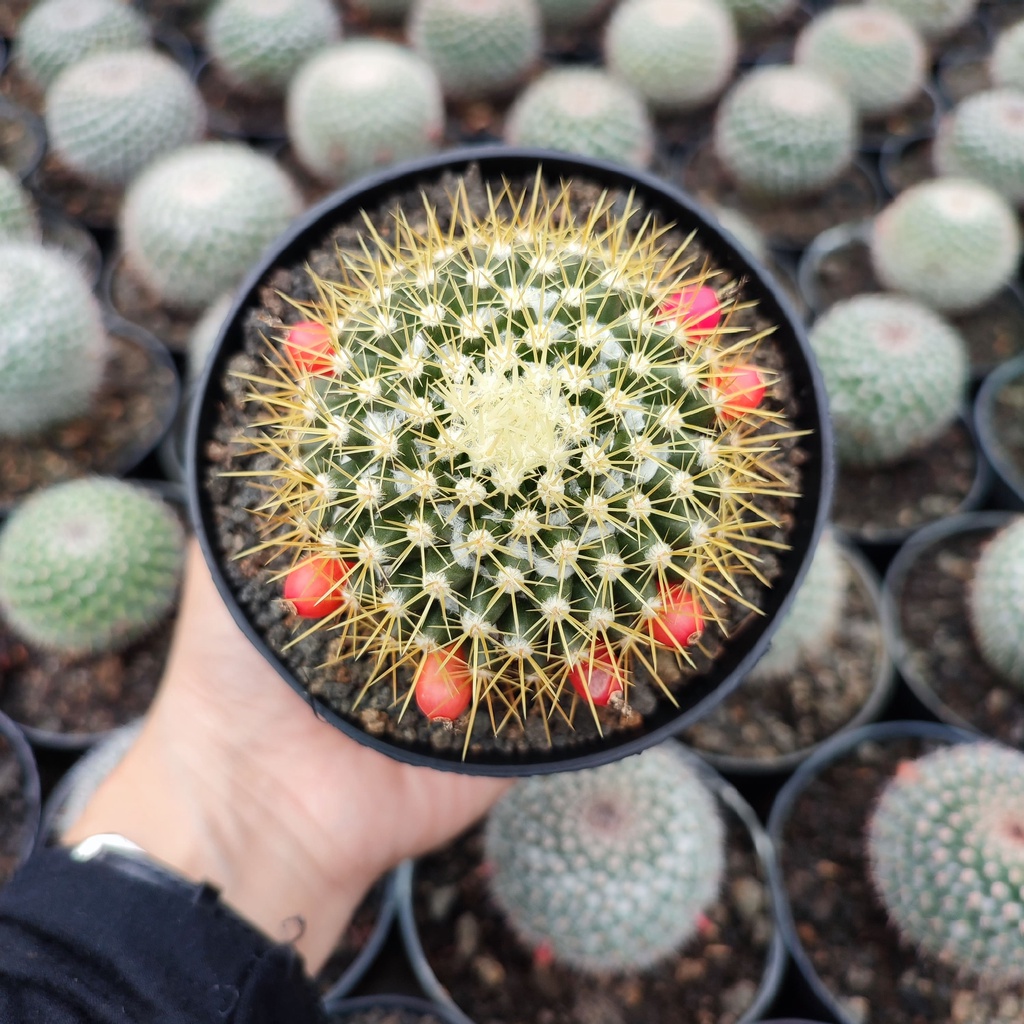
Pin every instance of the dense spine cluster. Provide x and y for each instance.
(996, 602)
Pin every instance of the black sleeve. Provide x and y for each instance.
(100, 941)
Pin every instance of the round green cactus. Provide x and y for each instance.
(873, 54)
(478, 48)
(946, 852)
(1006, 65)
(19, 221)
(53, 348)
(785, 132)
(55, 34)
(258, 45)
(933, 18)
(568, 14)
(195, 220)
(607, 868)
(895, 372)
(90, 565)
(361, 105)
(952, 243)
(814, 616)
(111, 114)
(677, 54)
(585, 111)
(983, 138)
(996, 602)
(753, 15)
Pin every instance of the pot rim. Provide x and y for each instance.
(389, 1001)
(984, 427)
(31, 786)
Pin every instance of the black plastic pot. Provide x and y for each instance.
(494, 162)
(905, 160)
(31, 792)
(407, 1009)
(1008, 483)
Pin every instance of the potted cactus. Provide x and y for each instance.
(423, 480)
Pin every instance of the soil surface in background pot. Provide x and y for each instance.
(236, 114)
(839, 920)
(13, 809)
(130, 298)
(1008, 423)
(96, 206)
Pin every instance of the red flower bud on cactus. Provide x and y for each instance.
(596, 677)
(697, 308)
(444, 686)
(314, 587)
(740, 389)
(680, 619)
(309, 345)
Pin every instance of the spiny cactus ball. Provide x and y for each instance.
(18, 218)
(933, 18)
(1006, 65)
(810, 625)
(950, 242)
(609, 868)
(946, 852)
(258, 45)
(677, 54)
(478, 48)
(566, 14)
(361, 105)
(90, 565)
(53, 347)
(111, 114)
(983, 138)
(996, 602)
(55, 34)
(873, 54)
(195, 220)
(754, 15)
(584, 111)
(895, 372)
(784, 132)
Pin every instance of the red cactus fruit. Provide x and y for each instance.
(310, 347)
(596, 677)
(314, 587)
(680, 620)
(740, 389)
(444, 685)
(697, 308)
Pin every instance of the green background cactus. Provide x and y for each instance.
(1006, 65)
(677, 54)
(947, 858)
(996, 602)
(895, 372)
(90, 565)
(951, 243)
(933, 18)
(19, 221)
(784, 132)
(608, 867)
(361, 105)
(53, 347)
(585, 111)
(111, 114)
(195, 220)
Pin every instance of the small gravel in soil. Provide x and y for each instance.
(12, 810)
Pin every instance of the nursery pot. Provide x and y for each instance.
(806, 412)
(998, 416)
(22, 840)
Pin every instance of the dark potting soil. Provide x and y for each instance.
(132, 409)
(941, 654)
(236, 114)
(20, 146)
(94, 205)
(17, 88)
(1008, 425)
(907, 164)
(494, 980)
(379, 1015)
(962, 75)
(870, 503)
(353, 941)
(768, 718)
(839, 920)
(131, 299)
(13, 810)
(915, 117)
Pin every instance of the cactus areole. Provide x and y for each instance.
(563, 444)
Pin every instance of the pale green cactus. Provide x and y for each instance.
(195, 220)
(784, 132)
(361, 105)
(754, 15)
(946, 857)
(1006, 65)
(873, 54)
(258, 45)
(55, 34)
(19, 221)
(111, 114)
(204, 333)
(478, 48)
(677, 54)
(745, 231)
(568, 14)
(607, 868)
(996, 602)
(585, 111)
(90, 565)
(895, 372)
(53, 347)
(933, 18)
(951, 243)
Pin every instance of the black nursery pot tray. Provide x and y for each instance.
(218, 508)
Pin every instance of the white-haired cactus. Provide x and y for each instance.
(753, 15)
(567, 14)
(677, 54)
(111, 114)
(1006, 65)
(258, 45)
(19, 220)
(195, 219)
(895, 372)
(53, 347)
(996, 602)
(55, 34)
(983, 138)
(585, 111)
(873, 54)
(946, 852)
(90, 565)
(361, 105)
(785, 132)
(744, 230)
(933, 18)
(810, 625)
(607, 868)
(952, 243)
(478, 48)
